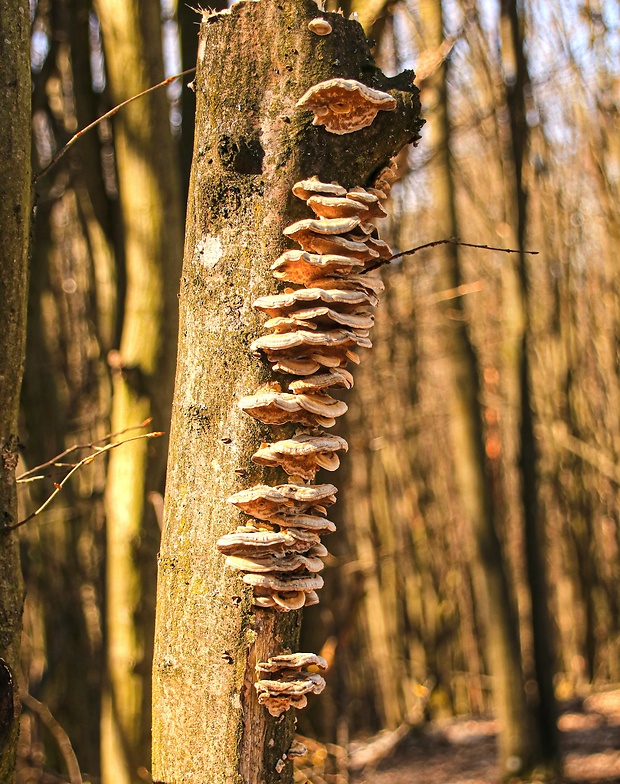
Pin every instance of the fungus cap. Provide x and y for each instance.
(319, 549)
(297, 266)
(381, 248)
(303, 454)
(322, 226)
(306, 319)
(312, 597)
(296, 367)
(283, 341)
(380, 193)
(252, 542)
(278, 705)
(289, 562)
(337, 207)
(263, 501)
(304, 582)
(326, 244)
(264, 601)
(292, 523)
(282, 304)
(304, 189)
(336, 377)
(285, 601)
(344, 105)
(292, 661)
(370, 283)
(300, 683)
(278, 408)
(320, 26)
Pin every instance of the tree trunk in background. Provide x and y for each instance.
(543, 703)
(65, 397)
(15, 207)
(189, 19)
(516, 743)
(143, 373)
(252, 145)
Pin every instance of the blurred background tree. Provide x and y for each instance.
(521, 149)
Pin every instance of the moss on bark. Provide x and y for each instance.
(251, 145)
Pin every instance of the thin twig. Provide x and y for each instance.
(90, 445)
(450, 241)
(59, 735)
(84, 461)
(587, 452)
(111, 113)
(448, 294)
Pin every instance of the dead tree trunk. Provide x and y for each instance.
(252, 144)
(14, 228)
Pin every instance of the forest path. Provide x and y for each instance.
(462, 751)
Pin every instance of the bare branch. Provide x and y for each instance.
(75, 467)
(54, 461)
(587, 452)
(450, 241)
(60, 736)
(111, 113)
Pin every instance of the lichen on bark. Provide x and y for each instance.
(251, 145)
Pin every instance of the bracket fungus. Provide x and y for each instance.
(297, 266)
(345, 105)
(291, 682)
(292, 661)
(320, 26)
(263, 501)
(318, 236)
(304, 189)
(303, 454)
(337, 207)
(277, 408)
(310, 334)
(335, 377)
(282, 304)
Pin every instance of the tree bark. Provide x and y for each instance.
(15, 206)
(149, 187)
(252, 144)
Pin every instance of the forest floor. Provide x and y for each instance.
(463, 750)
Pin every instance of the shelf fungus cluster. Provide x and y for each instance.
(290, 681)
(313, 333)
